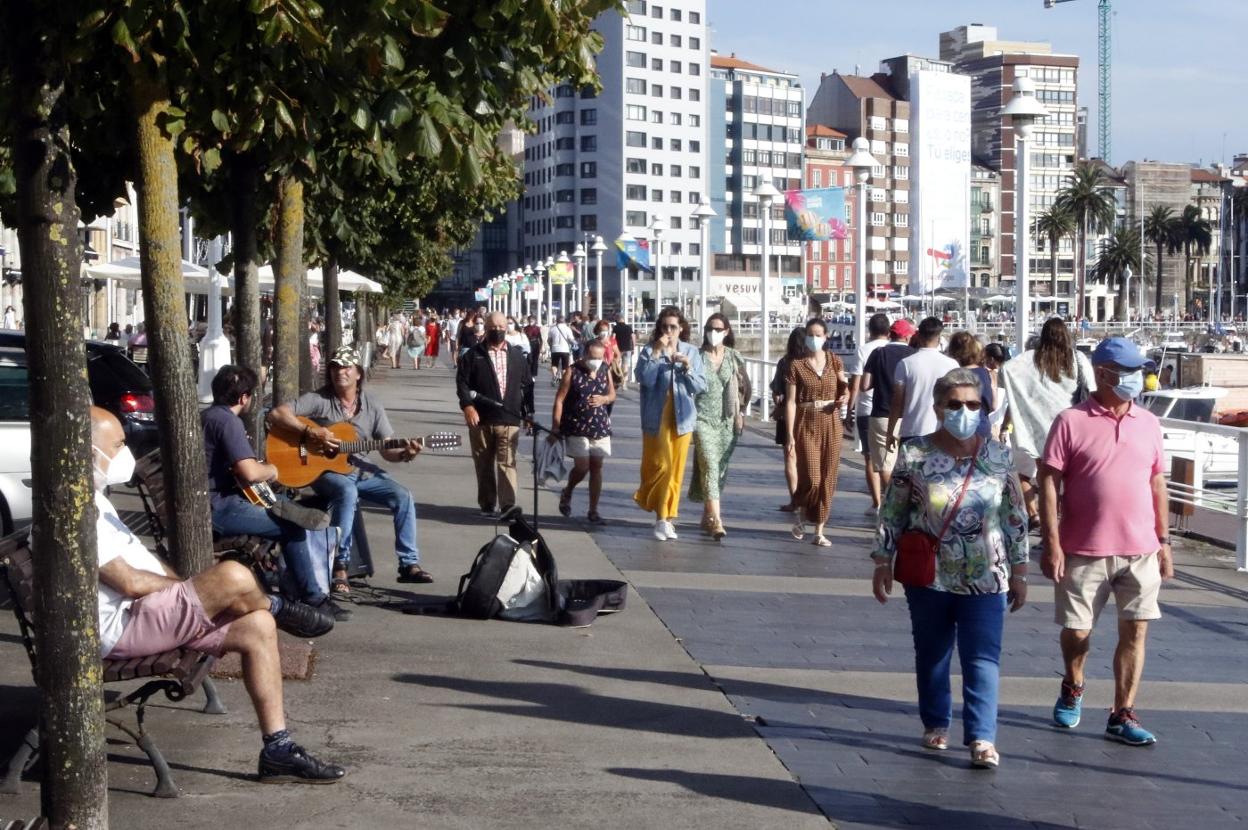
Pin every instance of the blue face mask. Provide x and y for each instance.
(1129, 386)
(961, 423)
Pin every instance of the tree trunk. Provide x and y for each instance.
(244, 178)
(1053, 243)
(307, 377)
(288, 292)
(333, 309)
(1120, 300)
(188, 521)
(1081, 268)
(71, 717)
(1187, 276)
(1158, 287)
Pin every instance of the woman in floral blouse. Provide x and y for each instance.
(981, 564)
(582, 416)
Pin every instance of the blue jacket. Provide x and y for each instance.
(657, 374)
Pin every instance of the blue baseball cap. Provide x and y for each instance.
(1120, 351)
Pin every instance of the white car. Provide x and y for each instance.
(15, 483)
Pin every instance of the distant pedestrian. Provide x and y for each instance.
(396, 336)
(1103, 473)
(878, 375)
(861, 397)
(582, 417)
(794, 350)
(534, 334)
(415, 340)
(517, 338)
(10, 317)
(433, 333)
(816, 387)
(965, 349)
(624, 342)
(670, 373)
(471, 332)
(720, 420)
(561, 340)
(913, 382)
(981, 561)
(996, 356)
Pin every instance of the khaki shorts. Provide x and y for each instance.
(1085, 588)
(580, 447)
(882, 458)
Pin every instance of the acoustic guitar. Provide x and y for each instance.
(299, 464)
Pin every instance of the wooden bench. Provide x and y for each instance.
(178, 674)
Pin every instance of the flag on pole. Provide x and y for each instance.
(816, 215)
(632, 252)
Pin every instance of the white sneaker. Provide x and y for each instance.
(660, 530)
(670, 530)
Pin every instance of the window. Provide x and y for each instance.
(793, 109)
(901, 150)
(900, 266)
(589, 144)
(695, 249)
(816, 178)
(656, 64)
(749, 236)
(901, 125)
(656, 38)
(695, 121)
(676, 93)
(749, 210)
(901, 172)
(676, 15)
(695, 43)
(675, 67)
(564, 222)
(636, 86)
(695, 172)
(635, 113)
(634, 139)
(589, 118)
(636, 6)
(635, 192)
(589, 195)
(564, 117)
(878, 195)
(695, 18)
(656, 116)
(656, 195)
(674, 119)
(749, 182)
(565, 91)
(749, 156)
(878, 219)
(675, 171)
(695, 94)
(675, 144)
(878, 123)
(695, 146)
(878, 171)
(589, 170)
(695, 69)
(694, 197)
(564, 169)
(656, 11)
(675, 40)
(764, 158)
(675, 196)
(565, 143)
(589, 222)
(901, 220)
(676, 247)
(636, 33)
(879, 147)
(656, 143)
(564, 195)
(656, 90)
(637, 60)
(656, 170)
(901, 197)
(636, 218)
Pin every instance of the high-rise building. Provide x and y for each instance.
(756, 117)
(610, 163)
(984, 255)
(830, 264)
(993, 66)
(870, 108)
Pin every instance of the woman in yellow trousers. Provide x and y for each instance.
(670, 374)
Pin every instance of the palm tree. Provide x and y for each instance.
(1055, 224)
(1090, 202)
(1192, 231)
(1159, 231)
(1119, 252)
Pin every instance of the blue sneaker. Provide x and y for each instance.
(1069, 706)
(1124, 727)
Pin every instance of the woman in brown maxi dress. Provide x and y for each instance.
(816, 387)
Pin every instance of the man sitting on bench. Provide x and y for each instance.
(146, 609)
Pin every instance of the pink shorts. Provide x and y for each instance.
(168, 619)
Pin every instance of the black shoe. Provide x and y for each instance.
(296, 766)
(308, 518)
(415, 573)
(333, 609)
(304, 621)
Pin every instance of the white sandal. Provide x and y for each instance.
(821, 541)
(799, 527)
(936, 740)
(984, 755)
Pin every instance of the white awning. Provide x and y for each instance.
(128, 270)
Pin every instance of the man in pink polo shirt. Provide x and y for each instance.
(1102, 472)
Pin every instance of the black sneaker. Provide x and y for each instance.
(303, 621)
(308, 518)
(333, 609)
(293, 765)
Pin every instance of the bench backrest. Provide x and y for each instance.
(18, 570)
(150, 481)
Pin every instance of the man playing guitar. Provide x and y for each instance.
(344, 399)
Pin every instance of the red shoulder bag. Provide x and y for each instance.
(917, 550)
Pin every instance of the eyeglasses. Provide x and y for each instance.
(974, 406)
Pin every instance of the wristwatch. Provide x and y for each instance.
(1165, 540)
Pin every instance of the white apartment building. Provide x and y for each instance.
(610, 164)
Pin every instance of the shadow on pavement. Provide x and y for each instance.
(761, 791)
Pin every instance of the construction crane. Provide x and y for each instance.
(1104, 93)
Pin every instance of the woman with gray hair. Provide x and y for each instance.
(953, 530)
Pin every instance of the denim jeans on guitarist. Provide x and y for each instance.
(344, 492)
(235, 515)
(974, 621)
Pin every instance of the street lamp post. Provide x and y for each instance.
(563, 285)
(1126, 287)
(581, 278)
(766, 193)
(550, 291)
(656, 228)
(862, 162)
(1024, 111)
(599, 248)
(704, 214)
(528, 288)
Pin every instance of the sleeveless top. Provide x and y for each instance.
(578, 417)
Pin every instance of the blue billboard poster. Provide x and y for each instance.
(816, 215)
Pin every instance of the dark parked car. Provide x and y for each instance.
(117, 385)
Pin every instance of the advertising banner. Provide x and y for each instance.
(632, 252)
(502, 289)
(481, 295)
(816, 215)
(940, 180)
(561, 273)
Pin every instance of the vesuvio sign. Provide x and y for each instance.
(940, 180)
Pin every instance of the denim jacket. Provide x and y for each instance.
(657, 374)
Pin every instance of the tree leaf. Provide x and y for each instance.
(360, 116)
(220, 121)
(121, 36)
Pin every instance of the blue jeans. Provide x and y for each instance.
(344, 492)
(937, 618)
(235, 515)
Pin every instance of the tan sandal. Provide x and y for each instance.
(717, 529)
(936, 740)
(984, 755)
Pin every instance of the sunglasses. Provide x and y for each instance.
(973, 406)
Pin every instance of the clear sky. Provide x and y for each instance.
(1180, 87)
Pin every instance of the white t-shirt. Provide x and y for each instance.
(561, 339)
(113, 539)
(865, 398)
(918, 374)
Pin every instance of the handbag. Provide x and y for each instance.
(1081, 385)
(745, 389)
(917, 550)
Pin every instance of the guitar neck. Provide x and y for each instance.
(368, 445)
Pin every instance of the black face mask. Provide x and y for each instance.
(494, 337)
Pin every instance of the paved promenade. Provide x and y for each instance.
(751, 683)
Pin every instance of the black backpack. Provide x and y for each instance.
(478, 589)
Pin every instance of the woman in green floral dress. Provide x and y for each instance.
(720, 421)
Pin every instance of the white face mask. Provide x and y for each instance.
(120, 468)
(511, 327)
(716, 338)
(815, 344)
(603, 335)
(479, 328)
(594, 365)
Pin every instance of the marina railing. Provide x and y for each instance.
(1226, 449)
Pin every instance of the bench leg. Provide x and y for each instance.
(164, 781)
(25, 755)
(213, 704)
